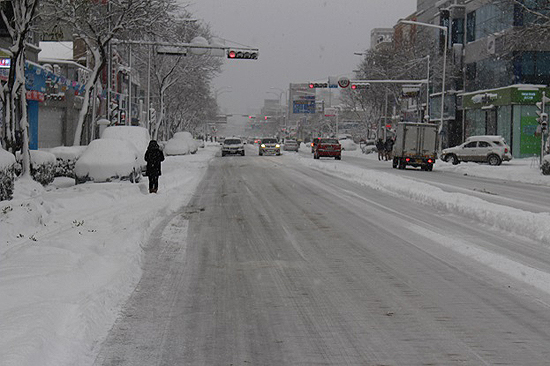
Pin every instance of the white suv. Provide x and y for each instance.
(481, 149)
(233, 146)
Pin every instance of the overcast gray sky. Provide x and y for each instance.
(299, 41)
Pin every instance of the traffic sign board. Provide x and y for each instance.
(343, 82)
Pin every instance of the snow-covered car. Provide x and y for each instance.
(138, 136)
(348, 145)
(187, 137)
(269, 145)
(176, 147)
(482, 149)
(291, 145)
(232, 146)
(106, 160)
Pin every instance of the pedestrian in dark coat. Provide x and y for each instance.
(380, 148)
(153, 157)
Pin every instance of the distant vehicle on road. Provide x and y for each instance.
(328, 147)
(233, 146)
(415, 145)
(269, 145)
(481, 149)
(291, 145)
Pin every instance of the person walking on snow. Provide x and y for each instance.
(153, 157)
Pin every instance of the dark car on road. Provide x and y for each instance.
(328, 147)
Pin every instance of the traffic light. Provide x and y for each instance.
(318, 85)
(544, 121)
(360, 86)
(242, 54)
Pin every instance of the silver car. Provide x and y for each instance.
(291, 145)
(481, 149)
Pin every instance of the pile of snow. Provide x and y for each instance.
(348, 145)
(67, 153)
(39, 157)
(105, 159)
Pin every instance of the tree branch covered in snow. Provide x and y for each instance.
(14, 92)
(97, 23)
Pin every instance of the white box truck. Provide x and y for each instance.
(415, 145)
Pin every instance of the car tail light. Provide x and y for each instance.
(506, 150)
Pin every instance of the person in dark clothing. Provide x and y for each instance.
(380, 148)
(389, 148)
(153, 157)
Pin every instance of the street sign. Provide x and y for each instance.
(304, 104)
(343, 82)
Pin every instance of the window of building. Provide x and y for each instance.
(471, 27)
(534, 68)
(457, 35)
(489, 19)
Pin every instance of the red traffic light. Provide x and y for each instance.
(311, 86)
(243, 54)
(360, 86)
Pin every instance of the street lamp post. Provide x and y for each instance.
(445, 31)
(286, 99)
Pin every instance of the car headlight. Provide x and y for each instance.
(277, 146)
(262, 145)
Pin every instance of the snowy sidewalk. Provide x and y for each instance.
(71, 255)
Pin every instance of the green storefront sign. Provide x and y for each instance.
(529, 143)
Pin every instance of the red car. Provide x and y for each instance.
(328, 147)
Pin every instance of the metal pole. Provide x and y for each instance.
(428, 92)
(542, 130)
(443, 90)
(148, 122)
(129, 113)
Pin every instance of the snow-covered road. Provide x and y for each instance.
(70, 256)
(287, 264)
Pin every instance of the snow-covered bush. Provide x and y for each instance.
(7, 162)
(42, 166)
(66, 157)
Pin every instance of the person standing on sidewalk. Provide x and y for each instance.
(153, 157)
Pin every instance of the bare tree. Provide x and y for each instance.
(14, 92)
(181, 83)
(97, 23)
